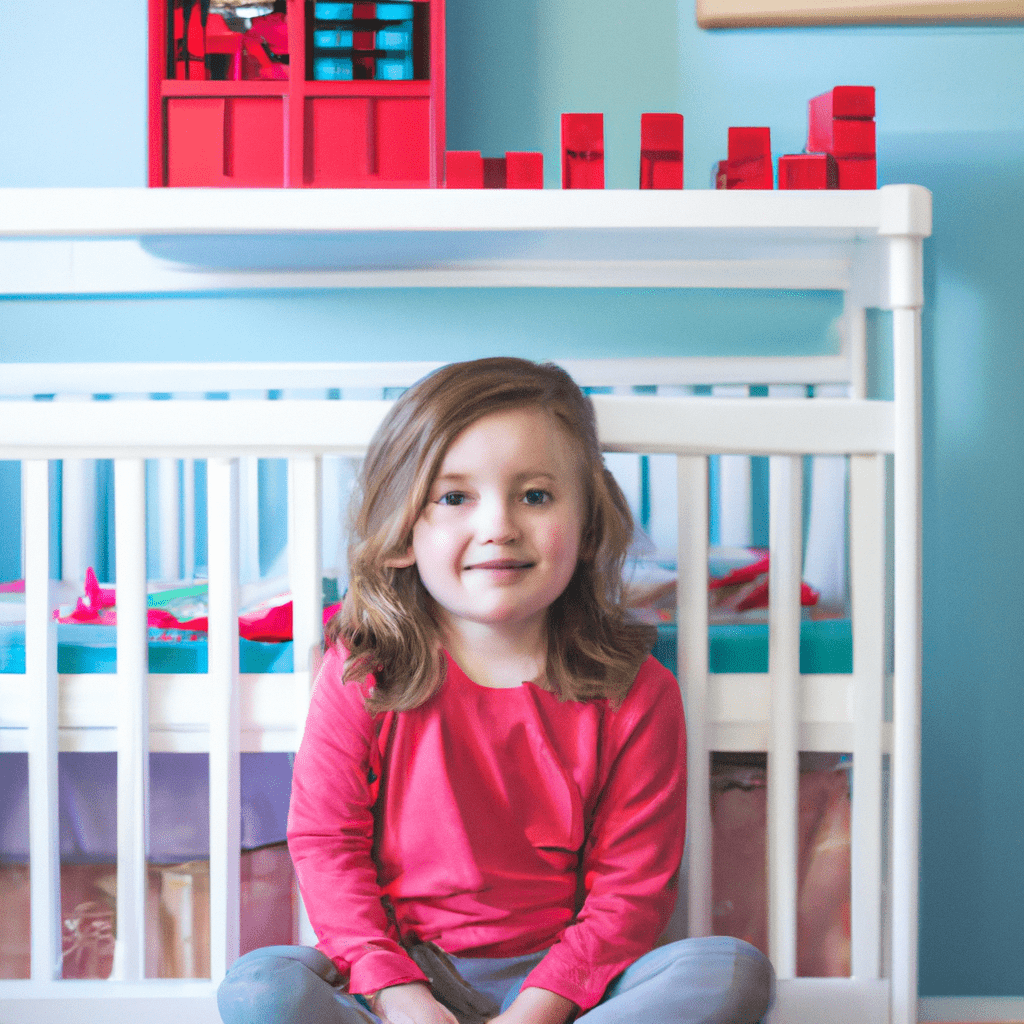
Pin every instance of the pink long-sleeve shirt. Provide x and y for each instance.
(494, 822)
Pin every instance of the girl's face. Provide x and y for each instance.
(499, 538)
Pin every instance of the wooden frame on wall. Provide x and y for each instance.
(761, 13)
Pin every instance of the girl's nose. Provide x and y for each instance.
(497, 524)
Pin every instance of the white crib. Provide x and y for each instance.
(866, 244)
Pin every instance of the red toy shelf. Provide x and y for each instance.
(263, 104)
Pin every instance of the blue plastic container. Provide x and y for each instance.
(394, 12)
(333, 12)
(396, 37)
(332, 69)
(395, 69)
(332, 39)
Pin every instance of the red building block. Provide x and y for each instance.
(661, 151)
(494, 172)
(750, 158)
(463, 169)
(846, 101)
(524, 170)
(857, 172)
(583, 151)
(808, 170)
(841, 137)
(720, 174)
(841, 122)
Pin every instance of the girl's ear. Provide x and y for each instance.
(401, 561)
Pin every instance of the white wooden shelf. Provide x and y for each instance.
(95, 241)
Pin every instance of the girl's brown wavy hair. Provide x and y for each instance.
(386, 622)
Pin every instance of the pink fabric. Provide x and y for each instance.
(99, 607)
(482, 817)
(747, 587)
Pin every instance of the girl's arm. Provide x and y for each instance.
(330, 837)
(633, 847)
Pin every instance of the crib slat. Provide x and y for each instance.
(225, 823)
(133, 726)
(169, 519)
(304, 551)
(78, 517)
(734, 490)
(337, 475)
(855, 342)
(825, 552)
(188, 520)
(867, 593)
(304, 545)
(41, 682)
(785, 545)
(249, 518)
(692, 643)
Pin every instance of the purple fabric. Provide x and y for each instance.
(179, 805)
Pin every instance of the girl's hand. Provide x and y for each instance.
(537, 1006)
(410, 1004)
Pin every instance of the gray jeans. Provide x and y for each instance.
(713, 980)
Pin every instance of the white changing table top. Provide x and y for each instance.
(91, 241)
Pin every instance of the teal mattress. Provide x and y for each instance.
(825, 648)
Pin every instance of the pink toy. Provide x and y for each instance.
(464, 169)
(808, 170)
(750, 158)
(661, 151)
(583, 151)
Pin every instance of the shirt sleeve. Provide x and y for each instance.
(630, 860)
(330, 835)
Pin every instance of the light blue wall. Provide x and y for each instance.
(950, 116)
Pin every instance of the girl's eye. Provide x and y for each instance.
(536, 496)
(451, 498)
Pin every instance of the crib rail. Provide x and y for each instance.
(781, 712)
(279, 429)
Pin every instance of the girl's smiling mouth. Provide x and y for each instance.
(500, 564)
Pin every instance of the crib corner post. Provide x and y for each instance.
(905, 235)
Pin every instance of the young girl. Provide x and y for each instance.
(488, 805)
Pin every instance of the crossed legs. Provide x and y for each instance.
(713, 980)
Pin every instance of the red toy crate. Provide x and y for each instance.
(238, 113)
